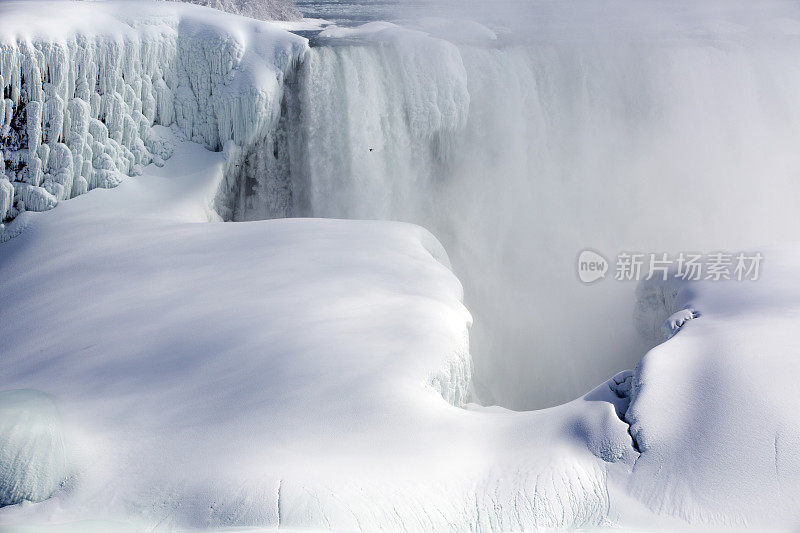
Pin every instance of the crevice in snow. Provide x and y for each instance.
(278, 501)
(622, 386)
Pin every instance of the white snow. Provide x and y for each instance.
(182, 373)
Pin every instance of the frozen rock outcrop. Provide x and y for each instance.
(32, 457)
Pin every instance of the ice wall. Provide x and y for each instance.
(78, 103)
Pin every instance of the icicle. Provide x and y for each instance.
(35, 198)
(6, 198)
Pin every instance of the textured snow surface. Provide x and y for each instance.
(32, 460)
(83, 86)
(297, 372)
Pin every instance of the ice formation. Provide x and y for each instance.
(79, 104)
(32, 457)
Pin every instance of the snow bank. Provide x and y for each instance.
(83, 86)
(293, 373)
(714, 409)
(32, 457)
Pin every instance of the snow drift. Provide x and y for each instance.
(712, 408)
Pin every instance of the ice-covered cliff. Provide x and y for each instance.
(83, 86)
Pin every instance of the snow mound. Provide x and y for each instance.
(32, 457)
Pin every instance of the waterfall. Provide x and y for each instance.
(518, 154)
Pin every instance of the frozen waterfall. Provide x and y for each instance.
(518, 154)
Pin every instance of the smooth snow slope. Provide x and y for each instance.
(714, 409)
(289, 372)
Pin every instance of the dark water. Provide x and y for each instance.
(355, 12)
(350, 12)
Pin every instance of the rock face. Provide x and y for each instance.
(32, 457)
